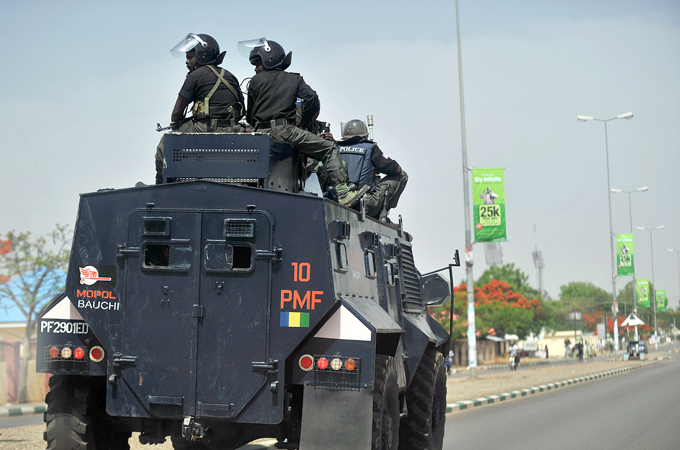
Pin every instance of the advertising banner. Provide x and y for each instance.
(625, 262)
(643, 293)
(488, 204)
(660, 300)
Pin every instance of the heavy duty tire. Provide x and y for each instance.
(385, 405)
(423, 427)
(76, 416)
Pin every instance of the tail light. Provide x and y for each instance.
(336, 363)
(96, 354)
(79, 353)
(69, 352)
(306, 362)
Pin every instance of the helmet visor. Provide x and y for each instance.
(245, 47)
(187, 44)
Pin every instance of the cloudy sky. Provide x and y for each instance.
(83, 84)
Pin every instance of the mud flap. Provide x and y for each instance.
(336, 420)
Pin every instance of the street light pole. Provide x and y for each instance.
(678, 252)
(628, 115)
(469, 261)
(653, 293)
(630, 216)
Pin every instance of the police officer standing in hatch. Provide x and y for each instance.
(215, 93)
(272, 94)
(364, 161)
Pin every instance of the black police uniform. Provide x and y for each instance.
(271, 108)
(225, 106)
(364, 161)
(224, 103)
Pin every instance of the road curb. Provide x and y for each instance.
(505, 366)
(467, 404)
(6, 411)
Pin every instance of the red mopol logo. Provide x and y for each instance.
(90, 275)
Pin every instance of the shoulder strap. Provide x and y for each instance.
(220, 77)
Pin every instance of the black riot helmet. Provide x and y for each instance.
(206, 47)
(354, 128)
(272, 55)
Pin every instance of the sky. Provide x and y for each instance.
(83, 84)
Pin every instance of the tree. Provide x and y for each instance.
(497, 308)
(35, 274)
(511, 275)
(583, 297)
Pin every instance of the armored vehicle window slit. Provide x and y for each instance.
(389, 273)
(157, 255)
(173, 256)
(242, 257)
(369, 262)
(157, 226)
(222, 257)
(341, 257)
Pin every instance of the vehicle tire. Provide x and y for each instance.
(385, 405)
(423, 427)
(76, 416)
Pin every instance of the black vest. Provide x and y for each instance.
(360, 168)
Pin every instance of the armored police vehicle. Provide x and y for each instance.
(226, 305)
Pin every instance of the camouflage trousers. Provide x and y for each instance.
(388, 190)
(315, 147)
(189, 126)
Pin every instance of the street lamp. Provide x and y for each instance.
(630, 215)
(627, 116)
(651, 244)
(678, 252)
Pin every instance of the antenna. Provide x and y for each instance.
(538, 262)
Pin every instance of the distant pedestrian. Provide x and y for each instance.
(546, 352)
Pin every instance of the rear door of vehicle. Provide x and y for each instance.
(234, 328)
(158, 359)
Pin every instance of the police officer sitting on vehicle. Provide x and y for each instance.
(365, 161)
(272, 96)
(215, 93)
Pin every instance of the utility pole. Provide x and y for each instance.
(469, 258)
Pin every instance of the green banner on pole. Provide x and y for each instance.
(488, 204)
(625, 262)
(660, 300)
(643, 293)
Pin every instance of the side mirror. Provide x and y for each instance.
(435, 290)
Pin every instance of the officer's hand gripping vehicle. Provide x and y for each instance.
(225, 306)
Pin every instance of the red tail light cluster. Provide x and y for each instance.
(326, 363)
(73, 353)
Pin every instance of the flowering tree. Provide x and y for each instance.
(497, 308)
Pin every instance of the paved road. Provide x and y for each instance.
(636, 410)
(20, 421)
